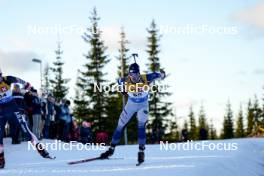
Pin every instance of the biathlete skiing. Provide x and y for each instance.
(134, 86)
(9, 111)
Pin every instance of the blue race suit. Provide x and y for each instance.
(137, 103)
(9, 110)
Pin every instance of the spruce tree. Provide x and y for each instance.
(113, 111)
(92, 76)
(123, 55)
(257, 114)
(250, 118)
(212, 131)
(58, 83)
(193, 127)
(202, 118)
(122, 69)
(228, 129)
(240, 124)
(262, 117)
(202, 123)
(159, 107)
(46, 78)
(174, 131)
(80, 109)
(185, 125)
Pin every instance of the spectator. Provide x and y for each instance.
(28, 97)
(184, 135)
(86, 133)
(36, 114)
(203, 134)
(157, 133)
(102, 137)
(56, 131)
(75, 131)
(64, 121)
(18, 97)
(43, 113)
(49, 120)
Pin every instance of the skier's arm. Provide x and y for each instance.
(155, 75)
(12, 79)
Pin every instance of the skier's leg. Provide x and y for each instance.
(14, 132)
(3, 121)
(20, 118)
(142, 117)
(124, 118)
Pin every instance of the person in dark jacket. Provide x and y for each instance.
(64, 121)
(75, 131)
(184, 135)
(68, 120)
(50, 111)
(57, 130)
(36, 114)
(203, 134)
(28, 98)
(86, 133)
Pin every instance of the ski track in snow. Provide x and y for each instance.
(108, 169)
(121, 158)
(246, 161)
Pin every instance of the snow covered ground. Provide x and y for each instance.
(247, 160)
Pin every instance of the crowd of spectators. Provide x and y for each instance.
(48, 118)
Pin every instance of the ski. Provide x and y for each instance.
(91, 159)
(84, 160)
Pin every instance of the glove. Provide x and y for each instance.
(163, 74)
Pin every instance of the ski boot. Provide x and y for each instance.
(141, 155)
(2, 160)
(108, 153)
(42, 151)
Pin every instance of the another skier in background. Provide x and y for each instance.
(9, 111)
(134, 86)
